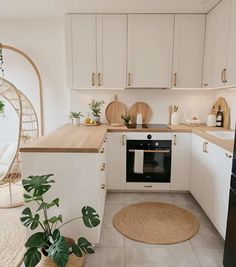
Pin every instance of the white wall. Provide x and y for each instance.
(43, 41)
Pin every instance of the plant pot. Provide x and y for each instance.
(96, 118)
(76, 121)
(74, 261)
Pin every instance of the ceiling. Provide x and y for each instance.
(28, 9)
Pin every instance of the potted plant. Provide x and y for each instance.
(48, 247)
(96, 107)
(126, 118)
(2, 108)
(75, 117)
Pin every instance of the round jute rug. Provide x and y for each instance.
(12, 238)
(156, 223)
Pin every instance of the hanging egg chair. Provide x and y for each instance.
(28, 130)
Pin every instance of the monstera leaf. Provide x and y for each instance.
(59, 251)
(90, 217)
(38, 184)
(37, 240)
(32, 257)
(29, 220)
(47, 206)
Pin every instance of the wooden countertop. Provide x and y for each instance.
(89, 139)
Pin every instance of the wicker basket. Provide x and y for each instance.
(74, 261)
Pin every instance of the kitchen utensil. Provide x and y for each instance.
(211, 120)
(221, 102)
(140, 108)
(115, 110)
(139, 119)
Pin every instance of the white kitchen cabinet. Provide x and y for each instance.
(116, 161)
(189, 37)
(181, 159)
(80, 180)
(216, 45)
(150, 49)
(231, 62)
(96, 51)
(210, 180)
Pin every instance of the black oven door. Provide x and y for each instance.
(156, 161)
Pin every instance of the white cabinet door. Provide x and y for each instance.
(188, 50)
(150, 48)
(111, 50)
(83, 46)
(181, 159)
(222, 190)
(116, 161)
(231, 66)
(216, 46)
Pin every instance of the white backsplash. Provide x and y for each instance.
(191, 103)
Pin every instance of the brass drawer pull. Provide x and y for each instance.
(148, 186)
(205, 147)
(225, 79)
(99, 79)
(228, 155)
(102, 151)
(175, 139)
(175, 80)
(103, 186)
(129, 79)
(93, 79)
(123, 140)
(103, 168)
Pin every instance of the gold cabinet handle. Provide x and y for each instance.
(225, 79)
(175, 139)
(103, 168)
(103, 186)
(175, 80)
(123, 140)
(205, 147)
(99, 79)
(148, 186)
(228, 155)
(129, 79)
(102, 151)
(93, 79)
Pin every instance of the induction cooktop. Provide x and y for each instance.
(147, 126)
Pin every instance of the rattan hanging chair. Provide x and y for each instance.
(28, 130)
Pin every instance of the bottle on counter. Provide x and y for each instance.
(219, 118)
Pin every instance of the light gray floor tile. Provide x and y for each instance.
(110, 211)
(106, 257)
(115, 199)
(210, 257)
(111, 238)
(160, 257)
(132, 198)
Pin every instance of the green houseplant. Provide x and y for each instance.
(75, 117)
(96, 107)
(49, 243)
(2, 108)
(126, 118)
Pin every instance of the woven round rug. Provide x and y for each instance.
(12, 238)
(156, 223)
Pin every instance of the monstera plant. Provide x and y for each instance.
(49, 241)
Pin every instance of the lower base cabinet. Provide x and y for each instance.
(210, 180)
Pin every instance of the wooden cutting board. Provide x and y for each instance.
(221, 102)
(143, 108)
(114, 111)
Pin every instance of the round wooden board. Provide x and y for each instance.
(221, 102)
(114, 111)
(143, 108)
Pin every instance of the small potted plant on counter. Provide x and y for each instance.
(126, 118)
(48, 247)
(75, 117)
(96, 107)
(2, 108)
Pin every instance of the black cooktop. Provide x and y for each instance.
(146, 126)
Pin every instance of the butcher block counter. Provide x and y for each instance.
(89, 139)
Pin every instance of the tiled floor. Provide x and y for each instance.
(203, 250)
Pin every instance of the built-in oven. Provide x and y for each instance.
(148, 158)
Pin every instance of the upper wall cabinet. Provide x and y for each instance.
(150, 49)
(96, 51)
(188, 51)
(217, 45)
